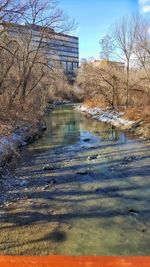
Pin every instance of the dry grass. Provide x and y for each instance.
(134, 114)
(96, 101)
(138, 114)
(17, 116)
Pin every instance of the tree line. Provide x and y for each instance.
(26, 77)
(107, 83)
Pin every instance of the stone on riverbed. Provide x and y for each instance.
(23, 183)
(129, 159)
(82, 172)
(49, 183)
(46, 187)
(93, 157)
(86, 139)
(49, 168)
(133, 212)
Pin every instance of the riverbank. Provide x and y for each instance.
(23, 133)
(20, 134)
(18, 129)
(121, 120)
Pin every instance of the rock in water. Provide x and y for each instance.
(133, 212)
(129, 159)
(93, 157)
(82, 172)
(23, 183)
(86, 139)
(49, 168)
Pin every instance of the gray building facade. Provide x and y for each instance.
(58, 48)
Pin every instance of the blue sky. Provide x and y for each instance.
(95, 18)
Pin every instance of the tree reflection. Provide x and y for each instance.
(63, 126)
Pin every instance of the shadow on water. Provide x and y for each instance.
(94, 199)
(55, 236)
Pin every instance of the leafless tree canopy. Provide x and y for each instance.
(25, 74)
(129, 42)
(107, 47)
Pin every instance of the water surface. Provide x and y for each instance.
(84, 189)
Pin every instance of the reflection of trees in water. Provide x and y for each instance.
(63, 126)
(110, 133)
(104, 130)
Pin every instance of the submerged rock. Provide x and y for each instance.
(52, 181)
(86, 139)
(82, 172)
(93, 157)
(49, 168)
(98, 190)
(129, 159)
(23, 183)
(133, 212)
(46, 187)
(49, 183)
(144, 230)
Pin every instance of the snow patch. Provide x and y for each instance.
(108, 116)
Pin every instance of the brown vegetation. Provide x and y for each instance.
(27, 81)
(107, 84)
(135, 114)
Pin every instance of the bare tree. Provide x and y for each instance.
(102, 81)
(124, 34)
(142, 48)
(106, 82)
(31, 65)
(107, 47)
(11, 10)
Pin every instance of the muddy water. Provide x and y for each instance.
(82, 189)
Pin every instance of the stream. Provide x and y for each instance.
(82, 189)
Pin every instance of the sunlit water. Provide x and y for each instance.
(94, 200)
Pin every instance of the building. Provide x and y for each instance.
(102, 62)
(59, 49)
